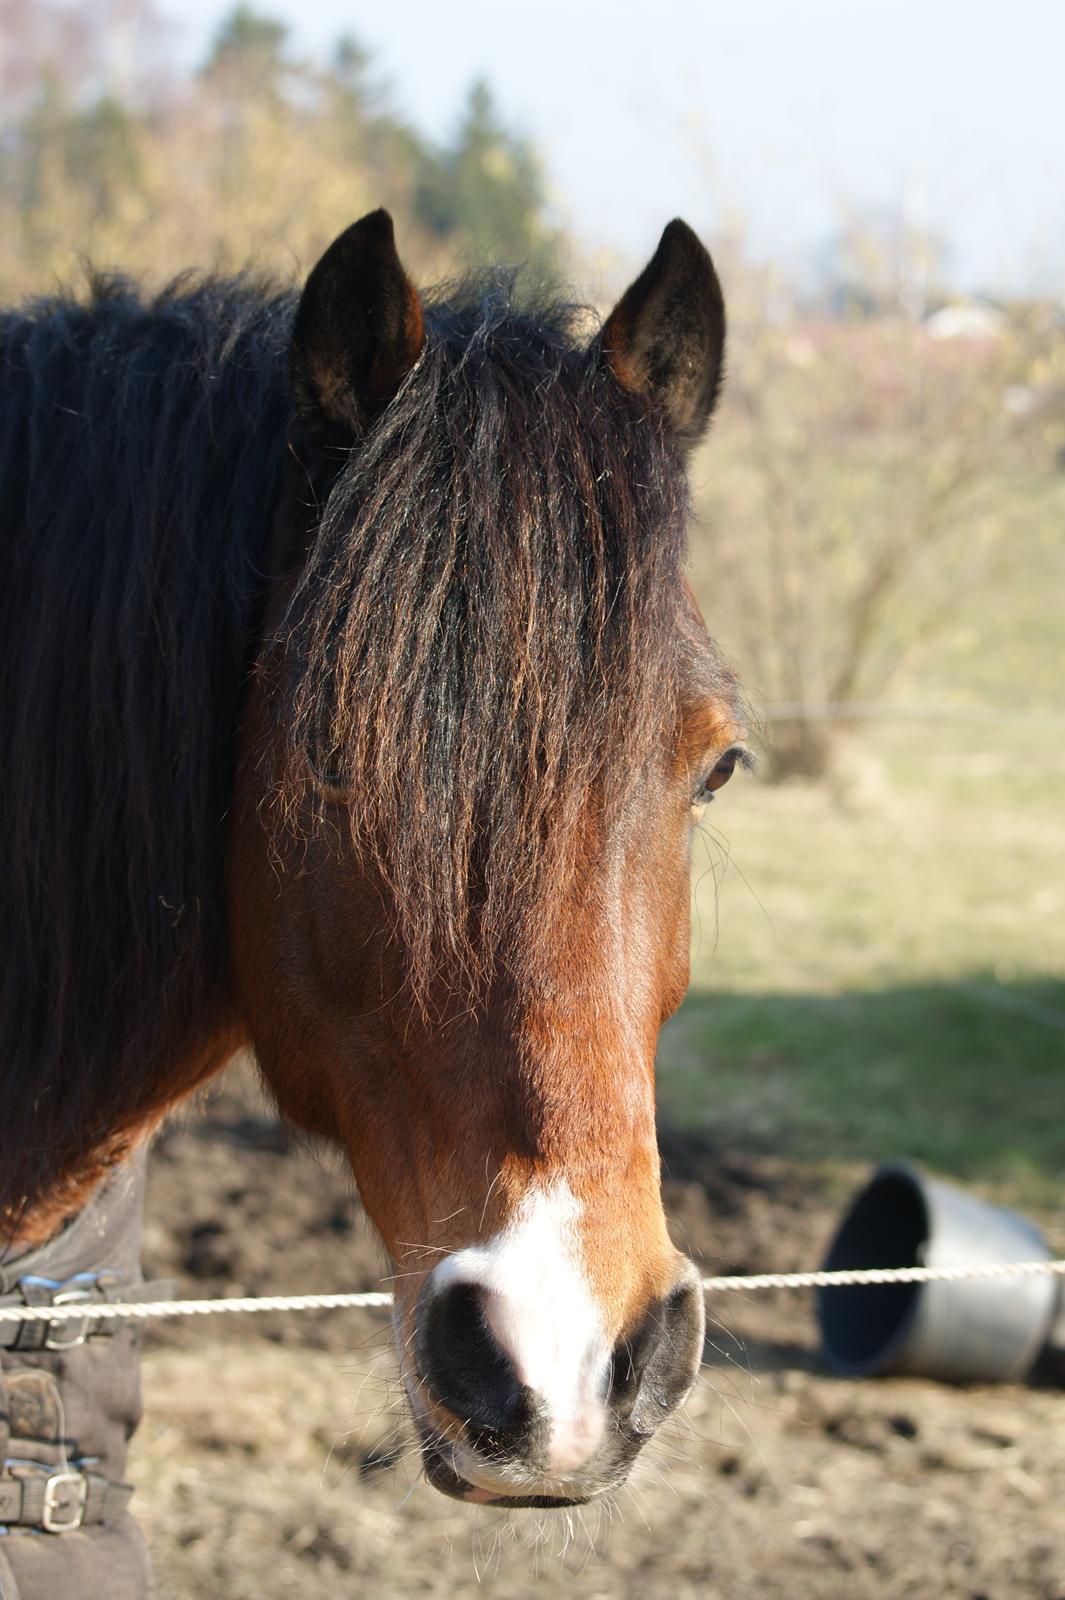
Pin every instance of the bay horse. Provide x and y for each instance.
(356, 711)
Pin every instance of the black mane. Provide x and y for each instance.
(140, 442)
(483, 632)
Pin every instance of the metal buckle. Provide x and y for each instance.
(69, 1333)
(58, 1513)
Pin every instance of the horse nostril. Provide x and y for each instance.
(465, 1368)
(654, 1370)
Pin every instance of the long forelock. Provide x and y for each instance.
(483, 641)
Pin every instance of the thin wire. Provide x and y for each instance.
(149, 1310)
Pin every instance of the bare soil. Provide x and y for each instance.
(275, 1461)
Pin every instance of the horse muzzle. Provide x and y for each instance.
(493, 1435)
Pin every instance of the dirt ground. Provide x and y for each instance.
(274, 1461)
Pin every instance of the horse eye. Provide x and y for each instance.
(718, 776)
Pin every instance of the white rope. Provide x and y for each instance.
(148, 1310)
(871, 1275)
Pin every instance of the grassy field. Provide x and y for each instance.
(879, 965)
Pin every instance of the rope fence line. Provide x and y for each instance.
(890, 711)
(149, 1310)
(860, 1276)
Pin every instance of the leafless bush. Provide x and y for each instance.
(865, 475)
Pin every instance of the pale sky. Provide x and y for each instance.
(786, 112)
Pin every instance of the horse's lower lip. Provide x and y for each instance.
(442, 1475)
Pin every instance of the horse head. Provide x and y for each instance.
(483, 718)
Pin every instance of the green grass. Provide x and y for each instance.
(879, 966)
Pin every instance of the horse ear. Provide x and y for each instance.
(666, 336)
(359, 327)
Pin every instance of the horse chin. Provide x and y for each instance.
(442, 1475)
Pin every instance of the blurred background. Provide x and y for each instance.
(879, 545)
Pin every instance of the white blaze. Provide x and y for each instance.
(539, 1307)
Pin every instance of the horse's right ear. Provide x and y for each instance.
(359, 328)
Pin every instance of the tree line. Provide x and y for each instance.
(257, 155)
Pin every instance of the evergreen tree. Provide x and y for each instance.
(249, 52)
(486, 186)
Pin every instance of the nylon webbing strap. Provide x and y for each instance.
(59, 1501)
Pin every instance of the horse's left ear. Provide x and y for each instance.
(359, 327)
(666, 336)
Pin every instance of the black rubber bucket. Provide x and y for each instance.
(1052, 1358)
(977, 1330)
